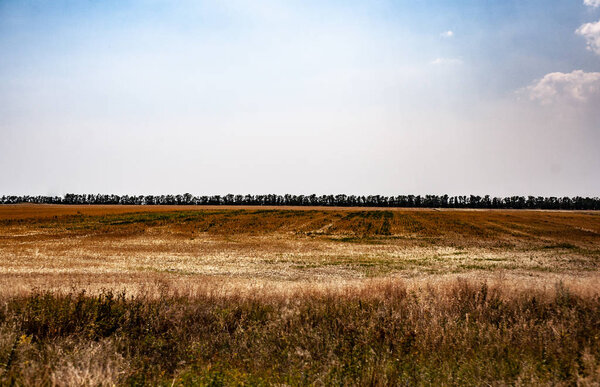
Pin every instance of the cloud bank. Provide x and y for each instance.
(591, 33)
(574, 87)
(577, 86)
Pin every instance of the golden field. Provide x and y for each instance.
(293, 296)
(114, 246)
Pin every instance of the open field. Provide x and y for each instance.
(298, 295)
(315, 245)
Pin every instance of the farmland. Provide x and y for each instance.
(286, 295)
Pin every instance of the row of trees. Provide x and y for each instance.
(427, 201)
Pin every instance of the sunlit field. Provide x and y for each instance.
(104, 295)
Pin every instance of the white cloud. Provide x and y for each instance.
(446, 61)
(450, 34)
(577, 86)
(591, 32)
(592, 3)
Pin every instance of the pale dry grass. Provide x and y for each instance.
(161, 285)
(67, 362)
(70, 363)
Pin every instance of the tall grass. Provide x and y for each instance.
(380, 334)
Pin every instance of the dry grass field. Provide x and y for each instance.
(104, 295)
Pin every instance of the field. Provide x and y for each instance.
(104, 295)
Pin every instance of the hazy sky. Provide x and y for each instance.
(495, 97)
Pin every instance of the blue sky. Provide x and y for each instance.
(378, 97)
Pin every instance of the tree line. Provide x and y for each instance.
(425, 201)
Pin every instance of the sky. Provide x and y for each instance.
(326, 97)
